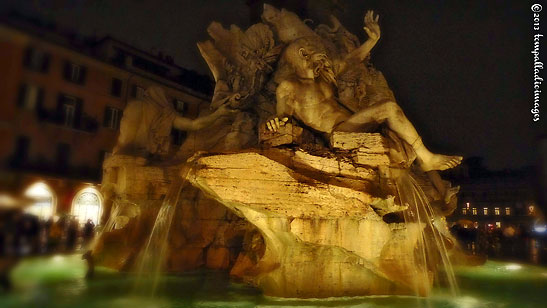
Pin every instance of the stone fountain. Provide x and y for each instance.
(303, 178)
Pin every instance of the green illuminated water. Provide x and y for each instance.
(59, 282)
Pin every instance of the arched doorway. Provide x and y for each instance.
(44, 201)
(87, 204)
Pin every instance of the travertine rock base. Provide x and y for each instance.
(204, 233)
(320, 239)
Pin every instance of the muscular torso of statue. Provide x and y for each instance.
(308, 95)
(311, 102)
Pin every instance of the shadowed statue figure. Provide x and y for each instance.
(146, 124)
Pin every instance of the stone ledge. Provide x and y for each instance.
(373, 143)
(274, 189)
(366, 158)
(332, 166)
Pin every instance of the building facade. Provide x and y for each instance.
(498, 213)
(489, 199)
(61, 105)
(497, 201)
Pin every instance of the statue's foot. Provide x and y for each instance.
(440, 162)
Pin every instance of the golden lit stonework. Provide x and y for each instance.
(303, 177)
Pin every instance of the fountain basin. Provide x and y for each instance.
(58, 281)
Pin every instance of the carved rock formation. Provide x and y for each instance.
(204, 233)
(320, 239)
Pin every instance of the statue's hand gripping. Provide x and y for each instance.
(274, 124)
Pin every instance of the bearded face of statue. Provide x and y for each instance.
(315, 65)
(322, 68)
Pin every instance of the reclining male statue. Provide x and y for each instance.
(307, 92)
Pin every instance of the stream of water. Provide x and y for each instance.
(152, 258)
(431, 247)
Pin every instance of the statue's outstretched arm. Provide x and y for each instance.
(186, 124)
(372, 28)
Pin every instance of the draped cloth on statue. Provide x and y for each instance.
(400, 152)
(146, 125)
(159, 114)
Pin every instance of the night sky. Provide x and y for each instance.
(461, 70)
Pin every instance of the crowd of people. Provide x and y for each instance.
(23, 234)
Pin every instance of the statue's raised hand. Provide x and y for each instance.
(371, 26)
(274, 124)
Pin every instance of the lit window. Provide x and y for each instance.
(44, 201)
(87, 204)
(485, 211)
(474, 211)
(74, 73)
(498, 224)
(68, 114)
(467, 204)
(464, 211)
(70, 108)
(112, 117)
(507, 211)
(30, 96)
(496, 211)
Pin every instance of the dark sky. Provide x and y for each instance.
(461, 70)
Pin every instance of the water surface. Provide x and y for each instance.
(58, 281)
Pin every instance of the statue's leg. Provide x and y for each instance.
(390, 113)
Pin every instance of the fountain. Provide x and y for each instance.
(431, 243)
(331, 193)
